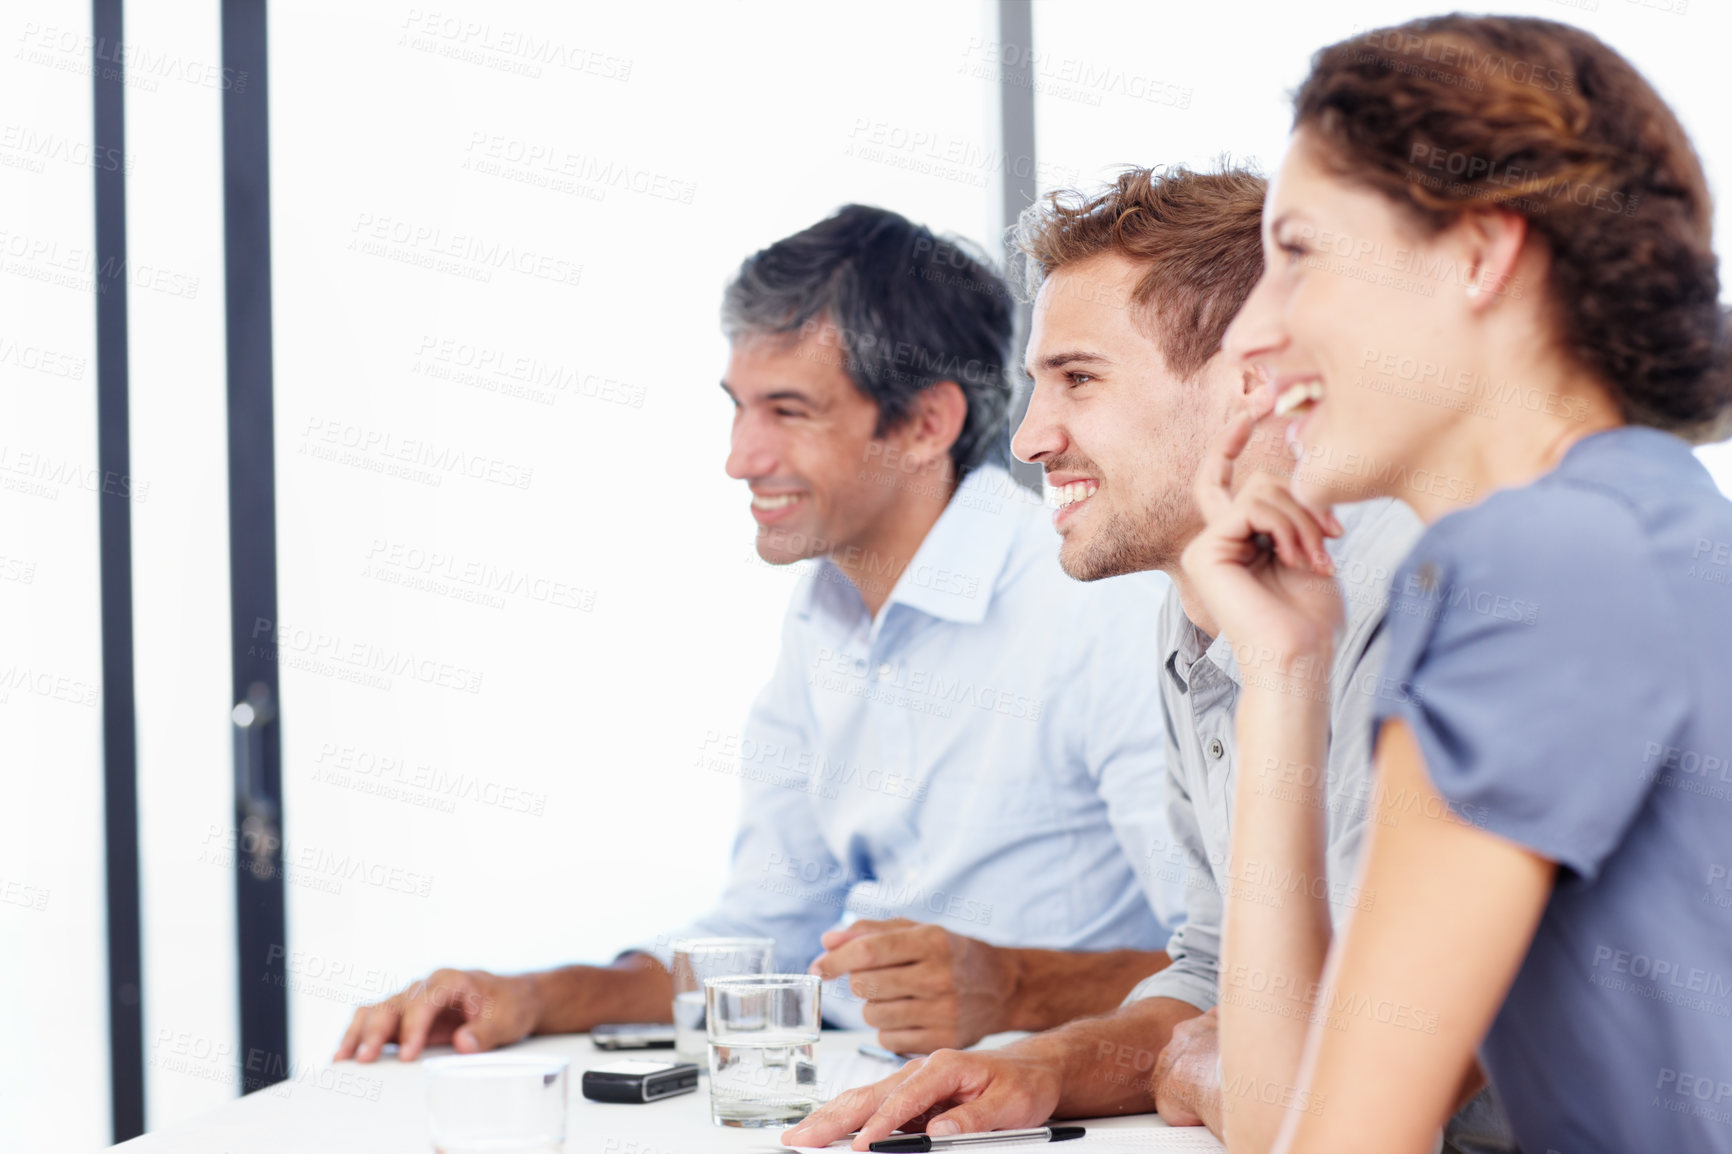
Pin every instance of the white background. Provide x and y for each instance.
(636, 623)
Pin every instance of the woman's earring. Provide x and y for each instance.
(1472, 289)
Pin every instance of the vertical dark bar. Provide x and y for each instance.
(1019, 188)
(259, 882)
(114, 533)
(1016, 105)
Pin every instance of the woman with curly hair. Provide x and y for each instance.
(1490, 290)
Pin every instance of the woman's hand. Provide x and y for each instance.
(1260, 567)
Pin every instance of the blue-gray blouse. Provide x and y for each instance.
(1563, 655)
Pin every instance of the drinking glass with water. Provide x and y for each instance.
(763, 1041)
(698, 958)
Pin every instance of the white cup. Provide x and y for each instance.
(494, 1103)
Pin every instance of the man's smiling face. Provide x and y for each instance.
(1119, 433)
(804, 442)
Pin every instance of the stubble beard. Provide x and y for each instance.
(1132, 544)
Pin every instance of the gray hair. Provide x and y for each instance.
(911, 309)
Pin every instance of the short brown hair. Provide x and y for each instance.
(1199, 233)
(1452, 113)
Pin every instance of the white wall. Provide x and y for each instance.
(53, 959)
(630, 161)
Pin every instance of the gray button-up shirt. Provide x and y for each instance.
(1199, 691)
(1200, 684)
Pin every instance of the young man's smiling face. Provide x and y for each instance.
(1119, 434)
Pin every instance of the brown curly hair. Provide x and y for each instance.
(1198, 233)
(1452, 113)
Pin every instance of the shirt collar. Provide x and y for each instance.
(954, 573)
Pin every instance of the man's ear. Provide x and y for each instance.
(934, 422)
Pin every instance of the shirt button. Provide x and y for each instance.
(1216, 749)
(884, 672)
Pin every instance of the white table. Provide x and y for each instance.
(381, 1109)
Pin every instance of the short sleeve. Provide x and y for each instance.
(1534, 656)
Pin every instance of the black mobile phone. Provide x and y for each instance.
(633, 1036)
(637, 1080)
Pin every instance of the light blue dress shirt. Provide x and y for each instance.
(985, 754)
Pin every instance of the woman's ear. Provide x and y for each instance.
(1492, 242)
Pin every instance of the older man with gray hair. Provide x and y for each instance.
(951, 786)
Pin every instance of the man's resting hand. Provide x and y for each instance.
(473, 1010)
(1186, 1083)
(947, 1093)
(925, 988)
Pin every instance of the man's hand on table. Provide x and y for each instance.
(1186, 1082)
(947, 1093)
(926, 989)
(1093, 1067)
(473, 1010)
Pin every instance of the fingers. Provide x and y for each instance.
(1297, 538)
(924, 1039)
(910, 1013)
(844, 1113)
(1172, 1109)
(1214, 485)
(831, 939)
(1185, 1077)
(485, 1030)
(920, 980)
(379, 1028)
(419, 1016)
(874, 951)
(1269, 507)
(497, 1011)
(1266, 503)
(417, 1020)
(444, 994)
(352, 1036)
(964, 1087)
(995, 1110)
(947, 1076)
(859, 928)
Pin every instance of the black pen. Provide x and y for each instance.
(921, 1143)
